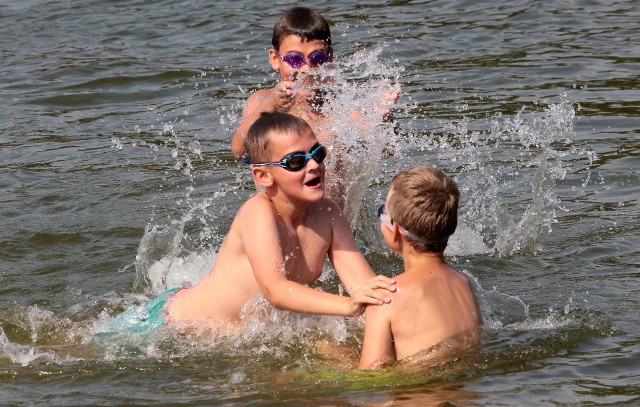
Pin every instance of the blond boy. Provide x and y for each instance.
(280, 237)
(433, 302)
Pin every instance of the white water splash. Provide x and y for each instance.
(182, 252)
(22, 354)
(497, 309)
(507, 174)
(357, 96)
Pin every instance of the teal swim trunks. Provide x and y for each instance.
(141, 319)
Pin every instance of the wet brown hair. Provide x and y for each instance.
(257, 143)
(304, 22)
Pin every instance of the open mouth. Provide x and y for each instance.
(314, 182)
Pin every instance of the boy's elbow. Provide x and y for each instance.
(237, 154)
(237, 148)
(274, 299)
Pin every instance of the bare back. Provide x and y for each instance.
(432, 303)
(429, 307)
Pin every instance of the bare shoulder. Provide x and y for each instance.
(258, 97)
(259, 200)
(459, 277)
(258, 206)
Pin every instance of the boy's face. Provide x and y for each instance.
(293, 43)
(306, 184)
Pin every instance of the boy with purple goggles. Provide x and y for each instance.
(301, 42)
(301, 45)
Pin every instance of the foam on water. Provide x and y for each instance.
(181, 252)
(22, 354)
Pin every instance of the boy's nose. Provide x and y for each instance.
(305, 68)
(312, 164)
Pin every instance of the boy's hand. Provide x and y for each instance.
(374, 291)
(390, 94)
(283, 97)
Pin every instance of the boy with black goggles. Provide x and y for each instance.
(298, 228)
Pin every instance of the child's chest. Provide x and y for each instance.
(304, 252)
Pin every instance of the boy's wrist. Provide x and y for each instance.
(346, 306)
(270, 104)
(354, 308)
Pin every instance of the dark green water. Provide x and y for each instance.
(116, 181)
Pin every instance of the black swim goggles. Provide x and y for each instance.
(295, 161)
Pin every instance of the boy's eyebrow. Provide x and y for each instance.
(302, 151)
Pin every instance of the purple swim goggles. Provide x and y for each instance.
(297, 59)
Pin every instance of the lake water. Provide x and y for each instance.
(116, 181)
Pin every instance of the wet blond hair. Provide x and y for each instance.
(424, 201)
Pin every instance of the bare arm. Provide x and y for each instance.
(377, 347)
(277, 99)
(351, 266)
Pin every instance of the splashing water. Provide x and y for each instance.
(524, 155)
(182, 252)
(170, 255)
(357, 94)
(507, 174)
(497, 309)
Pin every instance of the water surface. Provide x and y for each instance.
(116, 181)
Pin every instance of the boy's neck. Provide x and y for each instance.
(292, 213)
(414, 259)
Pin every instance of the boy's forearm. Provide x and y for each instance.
(354, 274)
(298, 298)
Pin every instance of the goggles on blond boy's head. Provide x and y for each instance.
(388, 222)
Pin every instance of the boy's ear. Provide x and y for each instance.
(262, 176)
(397, 235)
(274, 59)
